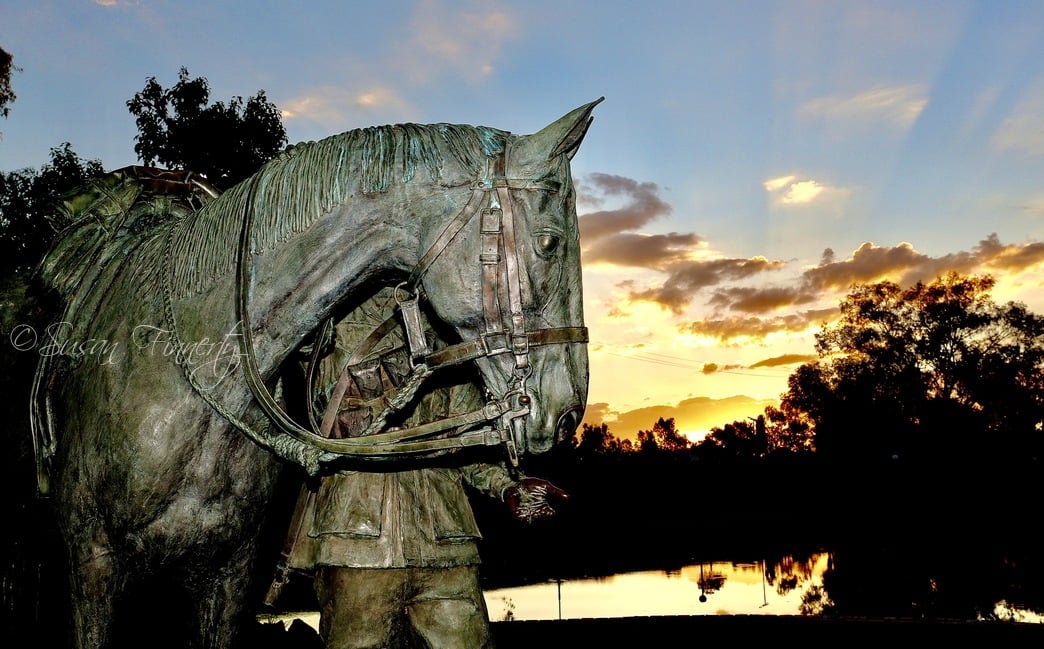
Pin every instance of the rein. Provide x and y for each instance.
(506, 416)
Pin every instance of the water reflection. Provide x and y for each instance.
(933, 566)
(823, 583)
(940, 566)
(876, 580)
(711, 588)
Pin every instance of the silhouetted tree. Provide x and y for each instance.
(664, 436)
(7, 94)
(760, 436)
(224, 142)
(742, 439)
(597, 440)
(935, 371)
(26, 200)
(647, 442)
(788, 432)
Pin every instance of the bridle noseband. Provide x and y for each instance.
(491, 199)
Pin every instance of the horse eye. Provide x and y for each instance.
(547, 243)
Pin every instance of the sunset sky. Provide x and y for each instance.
(751, 160)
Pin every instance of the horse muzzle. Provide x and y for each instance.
(564, 429)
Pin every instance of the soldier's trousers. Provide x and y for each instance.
(379, 608)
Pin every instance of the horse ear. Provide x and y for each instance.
(562, 136)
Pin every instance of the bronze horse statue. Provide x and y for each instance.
(161, 439)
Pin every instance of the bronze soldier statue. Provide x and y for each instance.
(393, 546)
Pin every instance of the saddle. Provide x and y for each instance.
(96, 224)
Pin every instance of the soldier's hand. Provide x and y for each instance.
(531, 499)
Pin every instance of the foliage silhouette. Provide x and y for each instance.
(226, 142)
(740, 439)
(27, 199)
(666, 435)
(597, 440)
(7, 94)
(935, 374)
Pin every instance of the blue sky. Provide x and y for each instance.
(750, 162)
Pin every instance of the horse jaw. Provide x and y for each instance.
(559, 371)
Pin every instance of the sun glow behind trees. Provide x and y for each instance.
(936, 369)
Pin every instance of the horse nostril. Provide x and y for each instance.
(567, 424)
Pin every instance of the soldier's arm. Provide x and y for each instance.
(490, 479)
(527, 498)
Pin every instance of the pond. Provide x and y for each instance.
(713, 588)
(790, 585)
(700, 589)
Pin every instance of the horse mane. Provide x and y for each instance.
(308, 180)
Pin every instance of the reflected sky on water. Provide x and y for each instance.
(713, 588)
(724, 588)
(700, 589)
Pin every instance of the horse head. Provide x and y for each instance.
(491, 244)
(525, 305)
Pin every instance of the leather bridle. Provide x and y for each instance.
(504, 416)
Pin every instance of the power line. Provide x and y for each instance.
(657, 361)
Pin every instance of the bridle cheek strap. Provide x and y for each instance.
(499, 258)
(504, 281)
(499, 343)
(517, 282)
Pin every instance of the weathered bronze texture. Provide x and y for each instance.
(161, 456)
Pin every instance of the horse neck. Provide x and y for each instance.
(299, 283)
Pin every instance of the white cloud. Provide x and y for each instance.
(447, 40)
(899, 105)
(342, 107)
(776, 184)
(791, 190)
(439, 42)
(802, 191)
(1033, 206)
(1023, 129)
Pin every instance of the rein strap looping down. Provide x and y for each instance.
(510, 411)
